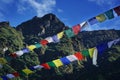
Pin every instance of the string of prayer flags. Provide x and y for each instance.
(27, 71)
(65, 61)
(109, 14)
(55, 39)
(91, 50)
(85, 52)
(94, 60)
(93, 21)
(117, 10)
(69, 33)
(71, 58)
(38, 45)
(31, 47)
(76, 29)
(101, 17)
(44, 42)
(45, 65)
(60, 35)
(49, 39)
(79, 56)
(57, 63)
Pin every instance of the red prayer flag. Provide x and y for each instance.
(45, 65)
(79, 56)
(76, 29)
(16, 74)
(117, 10)
(43, 42)
(14, 55)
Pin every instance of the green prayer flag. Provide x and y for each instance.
(101, 17)
(51, 64)
(85, 52)
(109, 14)
(38, 45)
(69, 33)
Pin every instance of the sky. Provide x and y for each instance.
(71, 12)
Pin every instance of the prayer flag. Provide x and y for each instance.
(31, 47)
(27, 71)
(117, 10)
(101, 17)
(45, 65)
(79, 56)
(16, 74)
(57, 62)
(25, 50)
(109, 14)
(101, 47)
(65, 61)
(3, 61)
(10, 76)
(113, 42)
(71, 58)
(14, 55)
(91, 51)
(38, 45)
(85, 52)
(44, 42)
(19, 53)
(1, 78)
(60, 35)
(84, 24)
(4, 77)
(51, 64)
(95, 57)
(55, 39)
(76, 29)
(37, 66)
(69, 33)
(93, 21)
(49, 39)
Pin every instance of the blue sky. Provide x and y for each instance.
(71, 12)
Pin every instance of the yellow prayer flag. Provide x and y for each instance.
(3, 61)
(91, 50)
(1, 79)
(31, 47)
(101, 17)
(60, 35)
(57, 62)
(27, 71)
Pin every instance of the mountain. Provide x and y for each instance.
(32, 31)
(47, 25)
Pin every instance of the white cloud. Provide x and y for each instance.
(103, 2)
(41, 8)
(59, 10)
(1, 17)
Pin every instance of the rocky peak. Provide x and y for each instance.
(47, 25)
